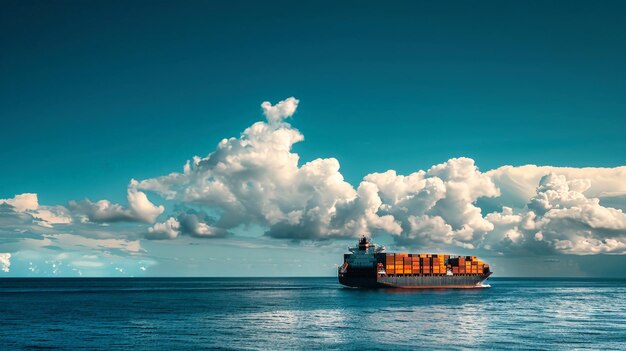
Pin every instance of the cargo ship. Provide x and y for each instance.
(369, 266)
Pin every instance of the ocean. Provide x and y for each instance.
(308, 314)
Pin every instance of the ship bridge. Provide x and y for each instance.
(363, 255)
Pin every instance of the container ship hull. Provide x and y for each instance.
(414, 282)
(367, 266)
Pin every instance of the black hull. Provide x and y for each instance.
(413, 281)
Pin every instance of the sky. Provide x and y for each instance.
(244, 139)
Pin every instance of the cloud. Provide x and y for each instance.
(23, 202)
(189, 222)
(280, 111)
(5, 262)
(49, 253)
(28, 204)
(166, 230)
(73, 242)
(559, 218)
(573, 222)
(199, 224)
(438, 205)
(256, 179)
(140, 209)
(518, 184)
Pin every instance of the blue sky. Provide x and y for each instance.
(96, 93)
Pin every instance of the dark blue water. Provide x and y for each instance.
(308, 313)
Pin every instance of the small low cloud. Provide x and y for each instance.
(166, 230)
(5, 262)
(189, 222)
(283, 109)
(139, 209)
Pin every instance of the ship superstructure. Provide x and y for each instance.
(369, 266)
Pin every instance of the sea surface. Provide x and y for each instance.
(308, 313)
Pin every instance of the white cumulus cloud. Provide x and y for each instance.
(559, 217)
(256, 179)
(518, 184)
(166, 230)
(438, 205)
